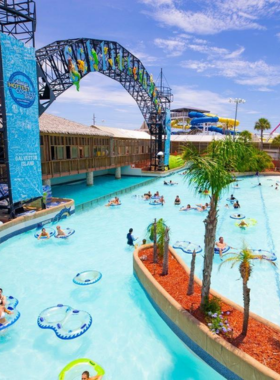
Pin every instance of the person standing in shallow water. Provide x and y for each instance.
(130, 238)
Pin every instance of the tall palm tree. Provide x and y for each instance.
(245, 259)
(165, 253)
(261, 125)
(276, 142)
(212, 171)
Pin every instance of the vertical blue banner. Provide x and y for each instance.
(22, 118)
(168, 134)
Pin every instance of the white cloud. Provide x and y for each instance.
(173, 46)
(235, 53)
(211, 17)
(257, 73)
(278, 35)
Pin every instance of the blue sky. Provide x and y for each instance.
(209, 51)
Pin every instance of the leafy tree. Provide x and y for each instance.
(245, 260)
(276, 142)
(246, 136)
(160, 233)
(213, 170)
(261, 125)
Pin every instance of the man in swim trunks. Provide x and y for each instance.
(60, 232)
(161, 200)
(44, 233)
(85, 376)
(232, 198)
(221, 245)
(188, 207)
(242, 224)
(236, 204)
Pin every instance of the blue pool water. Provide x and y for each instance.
(127, 336)
(102, 185)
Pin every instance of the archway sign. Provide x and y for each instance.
(63, 64)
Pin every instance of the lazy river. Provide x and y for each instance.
(127, 337)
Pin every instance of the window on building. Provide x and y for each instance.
(86, 151)
(74, 152)
(60, 152)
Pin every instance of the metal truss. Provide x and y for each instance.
(18, 18)
(64, 63)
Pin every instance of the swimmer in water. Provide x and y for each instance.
(177, 200)
(114, 201)
(221, 245)
(236, 204)
(242, 224)
(60, 232)
(188, 207)
(85, 376)
(44, 234)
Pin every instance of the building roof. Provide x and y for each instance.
(197, 138)
(189, 109)
(124, 133)
(55, 124)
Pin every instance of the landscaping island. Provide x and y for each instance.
(262, 342)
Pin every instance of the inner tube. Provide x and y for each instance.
(187, 247)
(49, 230)
(231, 200)
(177, 203)
(74, 369)
(155, 197)
(87, 277)
(236, 187)
(237, 216)
(266, 255)
(154, 203)
(9, 319)
(170, 184)
(217, 250)
(68, 232)
(66, 322)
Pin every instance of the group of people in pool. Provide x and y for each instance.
(44, 233)
(170, 183)
(199, 207)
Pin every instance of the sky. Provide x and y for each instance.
(209, 51)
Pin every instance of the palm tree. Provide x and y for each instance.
(276, 142)
(165, 252)
(245, 258)
(191, 279)
(156, 233)
(212, 171)
(246, 136)
(261, 125)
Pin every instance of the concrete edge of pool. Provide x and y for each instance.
(28, 222)
(229, 361)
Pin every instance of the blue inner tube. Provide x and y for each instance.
(155, 197)
(231, 200)
(68, 232)
(216, 250)
(87, 277)
(9, 319)
(237, 216)
(187, 246)
(66, 322)
(49, 230)
(267, 255)
(154, 203)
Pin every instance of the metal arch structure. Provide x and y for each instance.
(63, 64)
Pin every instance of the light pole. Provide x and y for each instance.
(236, 101)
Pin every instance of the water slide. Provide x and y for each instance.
(198, 119)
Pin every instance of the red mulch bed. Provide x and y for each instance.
(262, 342)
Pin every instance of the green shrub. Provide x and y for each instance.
(212, 305)
(175, 162)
